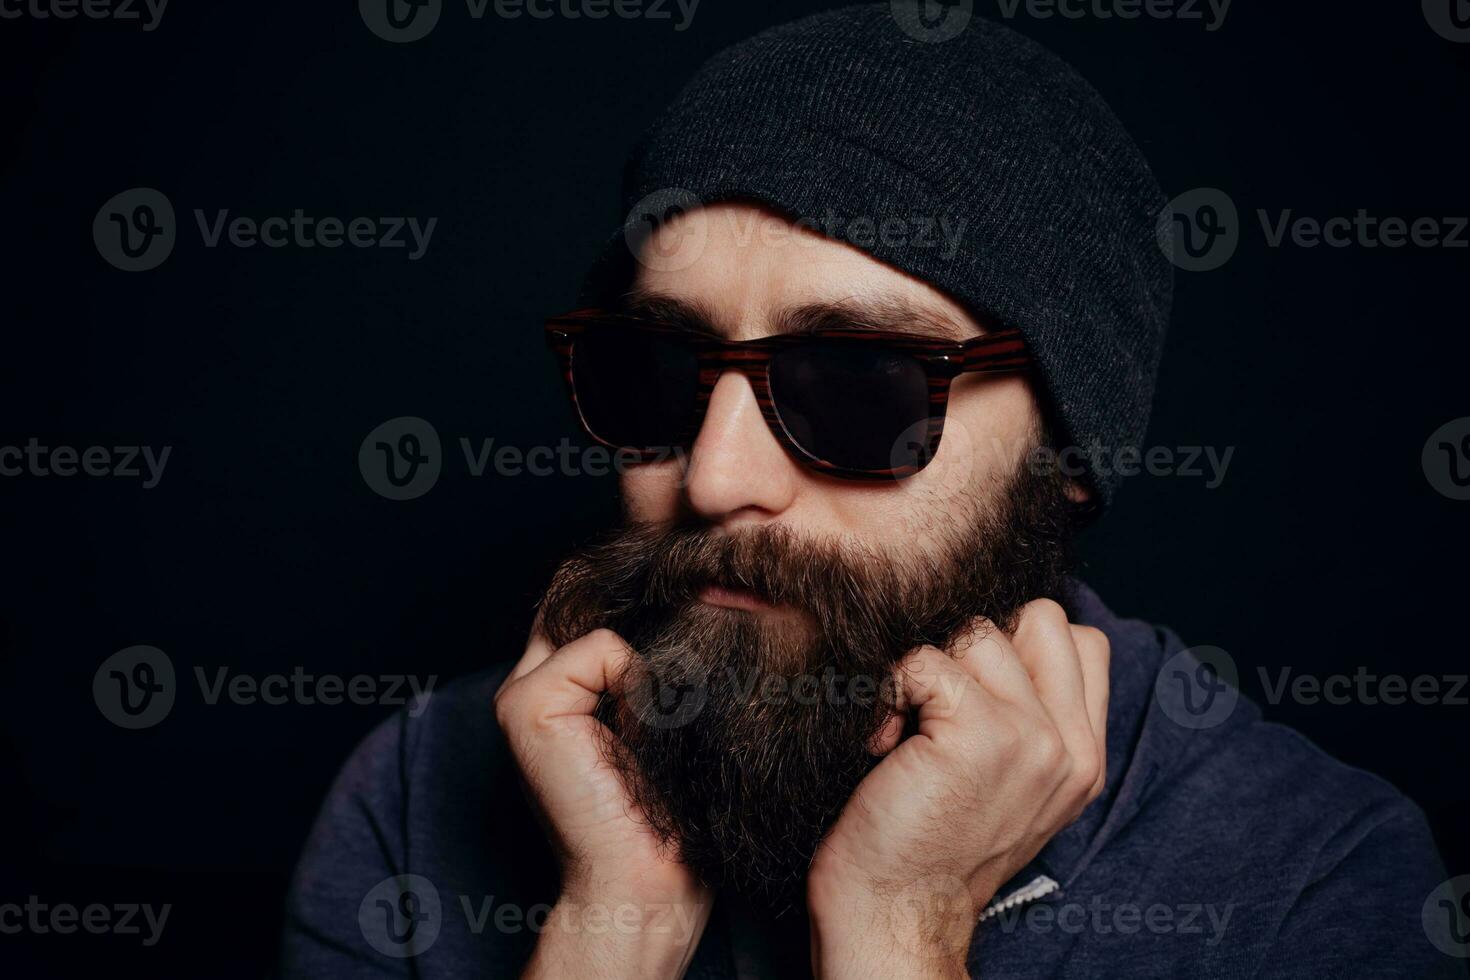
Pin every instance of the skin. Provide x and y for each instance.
(1011, 740)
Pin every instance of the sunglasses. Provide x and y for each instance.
(855, 404)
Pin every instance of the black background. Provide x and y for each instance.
(262, 548)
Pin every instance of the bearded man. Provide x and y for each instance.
(829, 702)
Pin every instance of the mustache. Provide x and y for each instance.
(643, 570)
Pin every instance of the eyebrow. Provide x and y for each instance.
(888, 313)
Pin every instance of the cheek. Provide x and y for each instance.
(988, 428)
(652, 491)
(990, 425)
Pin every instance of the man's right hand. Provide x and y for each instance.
(627, 906)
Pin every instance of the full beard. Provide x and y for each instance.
(740, 736)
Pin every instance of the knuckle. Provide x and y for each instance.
(1046, 751)
(920, 667)
(604, 638)
(1085, 775)
(1099, 782)
(978, 630)
(1045, 610)
(506, 705)
(1041, 616)
(920, 657)
(1094, 641)
(542, 725)
(989, 654)
(1009, 738)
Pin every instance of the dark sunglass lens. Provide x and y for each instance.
(634, 389)
(854, 405)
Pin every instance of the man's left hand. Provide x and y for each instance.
(1010, 748)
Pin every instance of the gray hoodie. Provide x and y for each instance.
(1222, 846)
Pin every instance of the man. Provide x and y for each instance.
(828, 702)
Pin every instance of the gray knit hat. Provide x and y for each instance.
(849, 119)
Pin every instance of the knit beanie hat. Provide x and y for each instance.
(859, 116)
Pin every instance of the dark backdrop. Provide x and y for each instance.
(263, 549)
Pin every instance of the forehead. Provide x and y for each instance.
(745, 264)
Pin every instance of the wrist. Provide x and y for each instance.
(619, 937)
(922, 929)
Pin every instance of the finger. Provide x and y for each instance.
(1095, 654)
(538, 648)
(988, 656)
(886, 738)
(572, 679)
(940, 693)
(1043, 642)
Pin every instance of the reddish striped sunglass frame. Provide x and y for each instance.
(998, 352)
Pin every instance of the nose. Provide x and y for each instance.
(737, 470)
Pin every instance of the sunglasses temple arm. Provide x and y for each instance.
(999, 352)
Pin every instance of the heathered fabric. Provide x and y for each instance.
(1238, 850)
(844, 121)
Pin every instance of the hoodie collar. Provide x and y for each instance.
(1137, 651)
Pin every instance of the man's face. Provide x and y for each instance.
(746, 267)
(768, 606)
